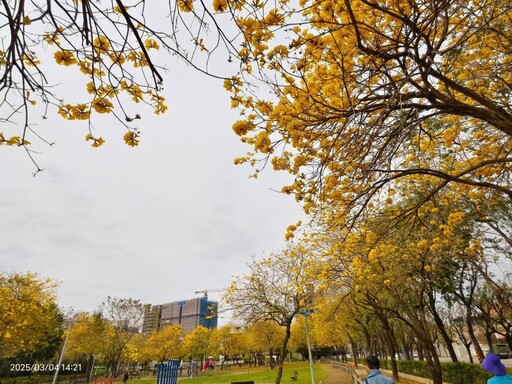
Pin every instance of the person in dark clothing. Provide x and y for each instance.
(126, 377)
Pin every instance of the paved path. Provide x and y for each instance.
(334, 375)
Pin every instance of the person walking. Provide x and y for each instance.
(126, 377)
(492, 363)
(375, 376)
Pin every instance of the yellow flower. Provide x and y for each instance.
(160, 108)
(151, 44)
(51, 38)
(85, 67)
(102, 105)
(118, 58)
(455, 218)
(66, 111)
(101, 44)
(159, 105)
(186, 5)
(14, 140)
(219, 5)
(422, 244)
(131, 138)
(31, 60)
(132, 89)
(241, 127)
(91, 88)
(96, 142)
(138, 59)
(81, 112)
(66, 58)
(232, 84)
(118, 9)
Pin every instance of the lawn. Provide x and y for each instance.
(260, 375)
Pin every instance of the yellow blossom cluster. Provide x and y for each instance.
(104, 57)
(96, 142)
(13, 140)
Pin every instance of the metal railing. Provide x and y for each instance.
(347, 368)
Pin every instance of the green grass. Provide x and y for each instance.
(260, 375)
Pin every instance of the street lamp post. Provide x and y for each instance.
(62, 354)
(310, 355)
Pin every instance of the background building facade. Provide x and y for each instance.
(152, 319)
(189, 313)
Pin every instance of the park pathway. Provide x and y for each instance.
(334, 375)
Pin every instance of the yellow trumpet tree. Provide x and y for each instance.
(164, 344)
(30, 319)
(228, 342)
(197, 343)
(265, 337)
(90, 339)
(276, 290)
(370, 94)
(404, 272)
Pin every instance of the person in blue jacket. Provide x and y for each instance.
(375, 376)
(493, 364)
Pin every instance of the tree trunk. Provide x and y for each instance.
(440, 325)
(282, 353)
(468, 350)
(434, 364)
(355, 352)
(368, 338)
(488, 339)
(89, 367)
(390, 341)
(469, 324)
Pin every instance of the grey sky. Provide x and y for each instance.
(156, 222)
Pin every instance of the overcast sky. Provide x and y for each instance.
(156, 222)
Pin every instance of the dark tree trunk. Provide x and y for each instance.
(440, 325)
(271, 355)
(434, 364)
(391, 344)
(355, 352)
(282, 354)
(469, 324)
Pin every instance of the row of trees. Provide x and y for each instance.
(33, 327)
(396, 296)
(33, 331)
(394, 119)
(417, 286)
(92, 338)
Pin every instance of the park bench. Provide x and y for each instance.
(295, 376)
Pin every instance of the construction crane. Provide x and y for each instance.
(205, 291)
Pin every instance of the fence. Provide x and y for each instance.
(168, 372)
(347, 368)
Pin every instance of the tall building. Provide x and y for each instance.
(152, 319)
(189, 313)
